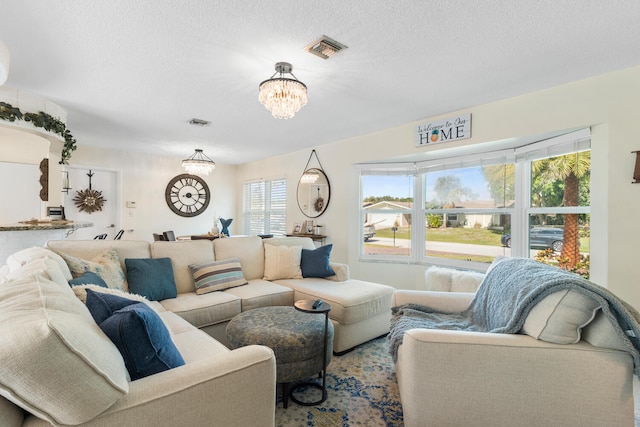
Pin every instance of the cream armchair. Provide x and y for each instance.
(459, 378)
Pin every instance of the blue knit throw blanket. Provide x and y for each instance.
(506, 296)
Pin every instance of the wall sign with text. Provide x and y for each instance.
(444, 131)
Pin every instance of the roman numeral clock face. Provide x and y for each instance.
(187, 195)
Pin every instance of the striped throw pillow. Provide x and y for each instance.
(217, 275)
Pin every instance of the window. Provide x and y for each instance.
(387, 212)
(529, 200)
(466, 207)
(265, 207)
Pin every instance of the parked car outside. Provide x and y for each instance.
(540, 238)
(369, 232)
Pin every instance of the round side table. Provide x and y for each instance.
(306, 306)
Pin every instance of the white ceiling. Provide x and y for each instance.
(131, 73)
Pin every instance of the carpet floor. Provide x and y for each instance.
(362, 391)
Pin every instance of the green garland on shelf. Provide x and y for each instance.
(42, 120)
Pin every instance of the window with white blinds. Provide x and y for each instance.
(265, 207)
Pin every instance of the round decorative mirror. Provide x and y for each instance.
(314, 192)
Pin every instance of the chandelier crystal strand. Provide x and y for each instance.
(282, 96)
(198, 164)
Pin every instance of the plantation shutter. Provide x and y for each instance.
(265, 207)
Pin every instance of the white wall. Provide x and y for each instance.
(143, 179)
(609, 104)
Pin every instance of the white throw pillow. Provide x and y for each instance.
(560, 317)
(24, 256)
(80, 292)
(56, 362)
(282, 262)
(451, 280)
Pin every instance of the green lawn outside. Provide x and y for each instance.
(475, 236)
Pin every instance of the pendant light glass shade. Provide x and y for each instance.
(198, 164)
(283, 96)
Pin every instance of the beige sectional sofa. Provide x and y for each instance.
(62, 370)
(360, 311)
(463, 378)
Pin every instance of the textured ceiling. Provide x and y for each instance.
(132, 73)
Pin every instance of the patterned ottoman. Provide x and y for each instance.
(296, 338)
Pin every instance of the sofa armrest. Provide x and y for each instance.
(234, 389)
(473, 378)
(341, 270)
(448, 302)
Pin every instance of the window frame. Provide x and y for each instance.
(522, 156)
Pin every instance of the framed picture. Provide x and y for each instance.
(55, 213)
(297, 227)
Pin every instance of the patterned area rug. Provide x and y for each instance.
(362, 390)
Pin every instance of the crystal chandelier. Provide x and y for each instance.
(283, 96)
(309, 177)
(198, 164)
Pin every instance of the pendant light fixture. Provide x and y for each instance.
(281, 95)
(198, 163)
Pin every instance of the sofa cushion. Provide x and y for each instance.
(315, 262)
(183, 253)
(42, 267)
(601, 333)
(217, 275)
(10, 415)
(559, 317)
(140, 335)
(262, 293)
(151, 278)
(204, 310)
(351, 301)
(248, 249)
(88, 278)
(51, 346)
(282, 262)
(106, 265)
(24, 256)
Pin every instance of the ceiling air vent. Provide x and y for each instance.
(199, 122)
(325, 47)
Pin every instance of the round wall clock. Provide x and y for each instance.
(187, 195)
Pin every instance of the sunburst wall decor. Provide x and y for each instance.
(89, 200)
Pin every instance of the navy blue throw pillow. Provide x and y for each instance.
(102, 306)
(143, 340)
(151, 278)
(315, 262)
(88, 278)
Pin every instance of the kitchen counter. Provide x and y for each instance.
(45, 225)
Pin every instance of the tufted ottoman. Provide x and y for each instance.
(296, 338)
